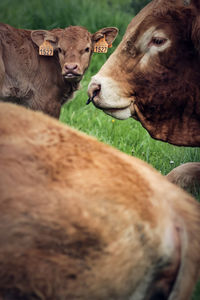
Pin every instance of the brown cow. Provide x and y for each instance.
(154, 74)
(80, 220)
(45, 82)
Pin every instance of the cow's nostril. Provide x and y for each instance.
(71, 67)
(93, 92)
(96, 90)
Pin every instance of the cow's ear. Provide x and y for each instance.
(110, 33)
(39, 36)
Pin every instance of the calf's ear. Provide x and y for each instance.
(110, 33)
(40, 36)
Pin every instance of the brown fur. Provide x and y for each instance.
(80, 220)
(41, 82)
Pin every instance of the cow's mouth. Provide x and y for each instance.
(107, 108)
(121, 113)
(72, 76)
(110, 109)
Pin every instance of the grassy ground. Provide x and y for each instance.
(128, 136)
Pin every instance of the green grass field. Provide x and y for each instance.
(128, 136)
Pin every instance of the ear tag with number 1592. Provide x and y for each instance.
(46, 49)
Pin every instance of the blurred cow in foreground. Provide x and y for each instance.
(41, 69)
(81, 220)
(154, 74)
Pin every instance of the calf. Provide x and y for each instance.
(154, 74)
(41, 69)
(80, 220)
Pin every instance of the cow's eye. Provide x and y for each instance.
(87, 49)
(158, 41)
(60, 50)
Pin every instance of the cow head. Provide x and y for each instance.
(73, 46)
(154, 74)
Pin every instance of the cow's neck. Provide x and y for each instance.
(68, 90)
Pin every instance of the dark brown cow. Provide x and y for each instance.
(80, 220)
(45, 82)
(154, 74)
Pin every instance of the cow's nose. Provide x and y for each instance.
(93, 91)
(71, 67)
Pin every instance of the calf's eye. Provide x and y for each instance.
(158, 41)
(60, 50)
(87, 49)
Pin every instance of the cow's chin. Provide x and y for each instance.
(120, 114)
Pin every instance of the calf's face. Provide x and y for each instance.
(153, 76)
(73, 47)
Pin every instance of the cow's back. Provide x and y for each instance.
(18, 65)
(80, 220)
(19, 52)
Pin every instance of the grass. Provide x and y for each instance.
(128, 136)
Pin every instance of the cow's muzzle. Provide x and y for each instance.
(71, 72)
(72, 76)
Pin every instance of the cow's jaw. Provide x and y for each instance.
(106, 95)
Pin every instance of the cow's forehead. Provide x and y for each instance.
(138, 19)
(161, 17)
(74, 35)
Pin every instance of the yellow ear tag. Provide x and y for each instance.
(46, 49)
(101, 46)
